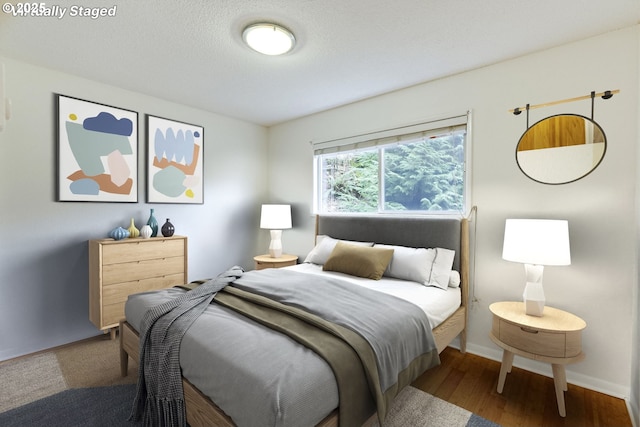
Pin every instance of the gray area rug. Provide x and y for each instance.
(82, 407)
(110, 407)
(80, 385)
(414, 407)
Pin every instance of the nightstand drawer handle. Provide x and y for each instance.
(530, 331)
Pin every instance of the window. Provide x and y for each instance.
(413, 171)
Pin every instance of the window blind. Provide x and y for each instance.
(394, 135)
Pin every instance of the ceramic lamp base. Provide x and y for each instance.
(275, 247)
(534, 299)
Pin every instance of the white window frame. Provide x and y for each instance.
(385, 138)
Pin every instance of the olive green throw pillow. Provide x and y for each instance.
(358, 260)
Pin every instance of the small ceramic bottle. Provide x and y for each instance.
(119, 233)
(145, 232)
(153, 223)
(133, 231)
(167, 229)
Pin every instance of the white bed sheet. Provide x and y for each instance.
(438, 304)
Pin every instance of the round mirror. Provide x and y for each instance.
(561, 149)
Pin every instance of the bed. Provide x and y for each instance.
(381, 232)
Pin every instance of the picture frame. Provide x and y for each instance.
(175, 161)
(97, 152)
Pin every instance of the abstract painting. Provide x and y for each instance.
(97, 152)
(174, 161)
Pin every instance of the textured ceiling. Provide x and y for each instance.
(191, 51)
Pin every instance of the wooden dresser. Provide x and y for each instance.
(118, 268)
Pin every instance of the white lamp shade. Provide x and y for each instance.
(537, 241)
(275, 217)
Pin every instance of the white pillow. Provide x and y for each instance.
(324, 246)
(412, 264)
(441, 269)
(454, 279)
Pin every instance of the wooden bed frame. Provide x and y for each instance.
(202, 412)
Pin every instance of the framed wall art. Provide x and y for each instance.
(175, 155)
(97, 152)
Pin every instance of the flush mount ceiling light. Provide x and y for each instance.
(269, 39)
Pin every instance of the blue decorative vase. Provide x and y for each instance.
(153, 223)
(167, 229)
(119, 233)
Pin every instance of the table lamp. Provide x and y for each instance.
(536, 243)
(275, 218)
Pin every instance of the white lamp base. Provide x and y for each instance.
(534, 299)
(533, 293)
(275, 247)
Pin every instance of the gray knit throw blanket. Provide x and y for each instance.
(159, 398)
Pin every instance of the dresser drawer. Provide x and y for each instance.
(141, 250)
(131, 271)
(119, 292)
(543, 343)
(112, 314)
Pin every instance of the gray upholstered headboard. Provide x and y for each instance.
(416, 232)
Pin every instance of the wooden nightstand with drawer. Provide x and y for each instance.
(267, 261)
(119, 268)
(554, 338)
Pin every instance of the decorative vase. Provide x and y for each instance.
(133, 231)
(145, 232)
(153, 223)
(167, 229)
(119, 233)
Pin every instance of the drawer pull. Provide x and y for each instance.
(528, 330)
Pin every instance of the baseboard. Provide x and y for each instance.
(580, 380)
(633, 412)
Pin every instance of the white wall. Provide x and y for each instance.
(635, 341)
(599, 284)
(43, 243)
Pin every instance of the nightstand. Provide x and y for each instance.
(266, 261)
(554, 338)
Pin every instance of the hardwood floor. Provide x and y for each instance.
(466, 380)
(528, 399)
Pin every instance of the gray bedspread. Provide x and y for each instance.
(159, 400)
(297, 391)
(226, 355)
(397, 330)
